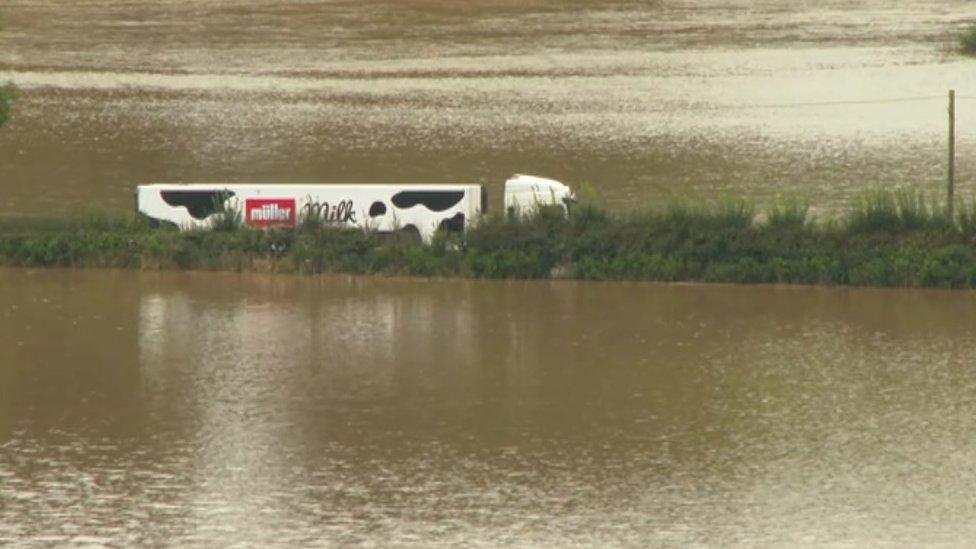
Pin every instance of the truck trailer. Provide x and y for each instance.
(384, 207)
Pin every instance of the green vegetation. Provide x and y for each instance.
(6, 95)
(886, 239)
(6, 98)
(967, 42)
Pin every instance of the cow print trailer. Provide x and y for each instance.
(381, 207)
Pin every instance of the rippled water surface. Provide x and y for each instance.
(642, 100)
(201, 409)
(188, 409)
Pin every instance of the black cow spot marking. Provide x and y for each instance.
(436, 201)
(454, 224)
(200, 204)
(377, 209)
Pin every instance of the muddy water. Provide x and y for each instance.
(213, 410)
(642, 100)
(145, 408)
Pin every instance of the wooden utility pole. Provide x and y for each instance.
(952, 156)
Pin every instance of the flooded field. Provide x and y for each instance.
(146, 408)
(643, 100)
(202, 409)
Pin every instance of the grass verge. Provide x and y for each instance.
(886, 239)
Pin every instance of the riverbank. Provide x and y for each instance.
(886, 239)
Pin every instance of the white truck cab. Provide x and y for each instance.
(525, 194)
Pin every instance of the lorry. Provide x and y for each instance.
(423, 208)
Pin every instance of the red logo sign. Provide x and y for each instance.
(270, 212)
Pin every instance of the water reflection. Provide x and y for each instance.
(220, 409)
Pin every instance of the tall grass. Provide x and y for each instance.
(966, 218)
(902, 210)
(967, 40)
(789, 214)
(727, 214)
(228, 216)
(6, 100)
(887, 238)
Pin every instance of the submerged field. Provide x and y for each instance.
(886, 239)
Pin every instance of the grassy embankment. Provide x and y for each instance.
(886, 239)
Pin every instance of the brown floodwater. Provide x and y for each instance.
(194, 409)
(203, 409)
(643, 101)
